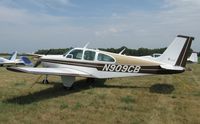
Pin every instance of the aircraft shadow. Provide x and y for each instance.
(57, 90)
(162, 88)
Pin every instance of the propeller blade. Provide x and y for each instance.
(37, 63)
(39, 60)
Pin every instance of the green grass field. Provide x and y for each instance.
(199, 60)
(163, 99)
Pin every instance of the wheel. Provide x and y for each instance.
(45, 81)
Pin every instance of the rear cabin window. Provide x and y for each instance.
(106, 58)
(89, 55)
(75, 54)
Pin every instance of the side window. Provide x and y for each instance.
(75, 54)
(106, 58)
(89, 55)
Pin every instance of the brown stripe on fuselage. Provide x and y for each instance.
(95, 65)
(99, 66)
(184, 60)
(76, 63)
(184, 52)
(131, 60)
(178, 63)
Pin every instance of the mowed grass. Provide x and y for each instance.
(199, 60)
(163, 99)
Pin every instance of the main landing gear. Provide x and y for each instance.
(45, 81)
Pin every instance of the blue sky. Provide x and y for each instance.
(29, 25)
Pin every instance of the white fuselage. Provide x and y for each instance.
(90, 66)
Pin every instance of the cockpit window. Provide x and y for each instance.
(89, 55)
(103, 57)
(75, 54)
(67, 51)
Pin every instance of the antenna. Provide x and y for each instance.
(122, 51)
(86, 45)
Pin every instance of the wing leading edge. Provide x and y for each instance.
(50, 71)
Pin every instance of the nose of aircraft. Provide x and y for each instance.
(38, 62)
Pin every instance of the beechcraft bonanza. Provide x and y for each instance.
(12, 60)
(92, 64)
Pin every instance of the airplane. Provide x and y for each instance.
(193, 58)
(96, 64)
(153, 56)
(13, 61)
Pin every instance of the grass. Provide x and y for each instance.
(199, 60)
(127, 99)
(156, 99)
(197, 94)
(64, 106)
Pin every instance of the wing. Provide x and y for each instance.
(50, 71)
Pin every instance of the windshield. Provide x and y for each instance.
(67, 51)
(75, 54)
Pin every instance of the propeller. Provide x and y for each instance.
(38, 62)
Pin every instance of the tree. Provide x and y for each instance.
(128, 51)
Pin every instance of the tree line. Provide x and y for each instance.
(128, 51)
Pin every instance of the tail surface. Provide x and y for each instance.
(26, 61)
(193, 58)
(13, 56)
(177, 52)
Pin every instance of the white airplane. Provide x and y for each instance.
(90, 63)
(13, 61)
(153, 56)
(193, 58)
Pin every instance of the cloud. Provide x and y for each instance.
(53, 4)
(107, 32)
(33, 30)
(182, 3)
(40, 29)
(38, 6)
(154, 29)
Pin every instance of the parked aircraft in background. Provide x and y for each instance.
(193, 58)
(153, 56)
(90, 63)
(12, 60)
